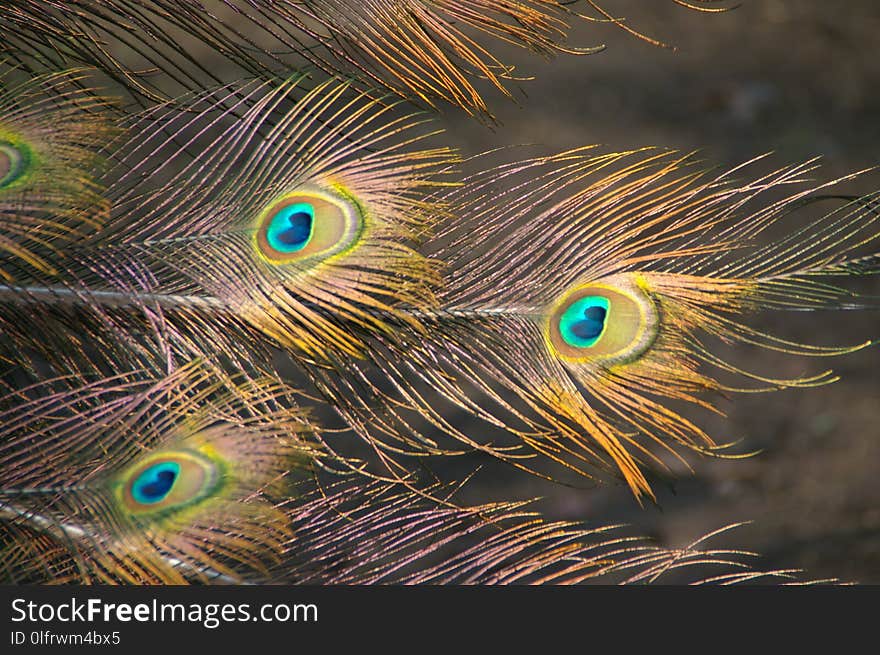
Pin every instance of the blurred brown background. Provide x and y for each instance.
(797, 77)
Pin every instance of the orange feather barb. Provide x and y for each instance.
(425, 49)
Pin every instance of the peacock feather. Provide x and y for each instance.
(378, 534)
(183, 479)
(294, 225)
(579, 326)
(134, 480)
(599, 303)
(50, 136)
(426, 49)
(574, 302)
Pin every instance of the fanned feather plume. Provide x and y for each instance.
(50, 137)
(296, 226)
(429, 49)
(183, 479)
(292, 225)
(569, 301)
(139, 481)
(378, 534)
(587, 313)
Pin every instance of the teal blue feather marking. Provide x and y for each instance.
(154, 484)
(291, 228)
(583, 323)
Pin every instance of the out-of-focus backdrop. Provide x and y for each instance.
(797, 77)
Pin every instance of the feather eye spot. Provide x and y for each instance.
(169, 481)
(582, 324)
(307, 225)
(608, 322)
(291, 228)
(13, 163)
(154, 484)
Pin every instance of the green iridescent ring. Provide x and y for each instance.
(13, 164)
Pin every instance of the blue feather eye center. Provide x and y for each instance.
(308, 226)
(608, 322)
(583, 322)
(12, 164)
(291, 228)
(155, 483)
(168, 481)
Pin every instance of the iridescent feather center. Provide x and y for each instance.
(307, 224)
(168, 481)
(583, 323)
(611, 321)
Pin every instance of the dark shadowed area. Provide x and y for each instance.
(795, 77)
